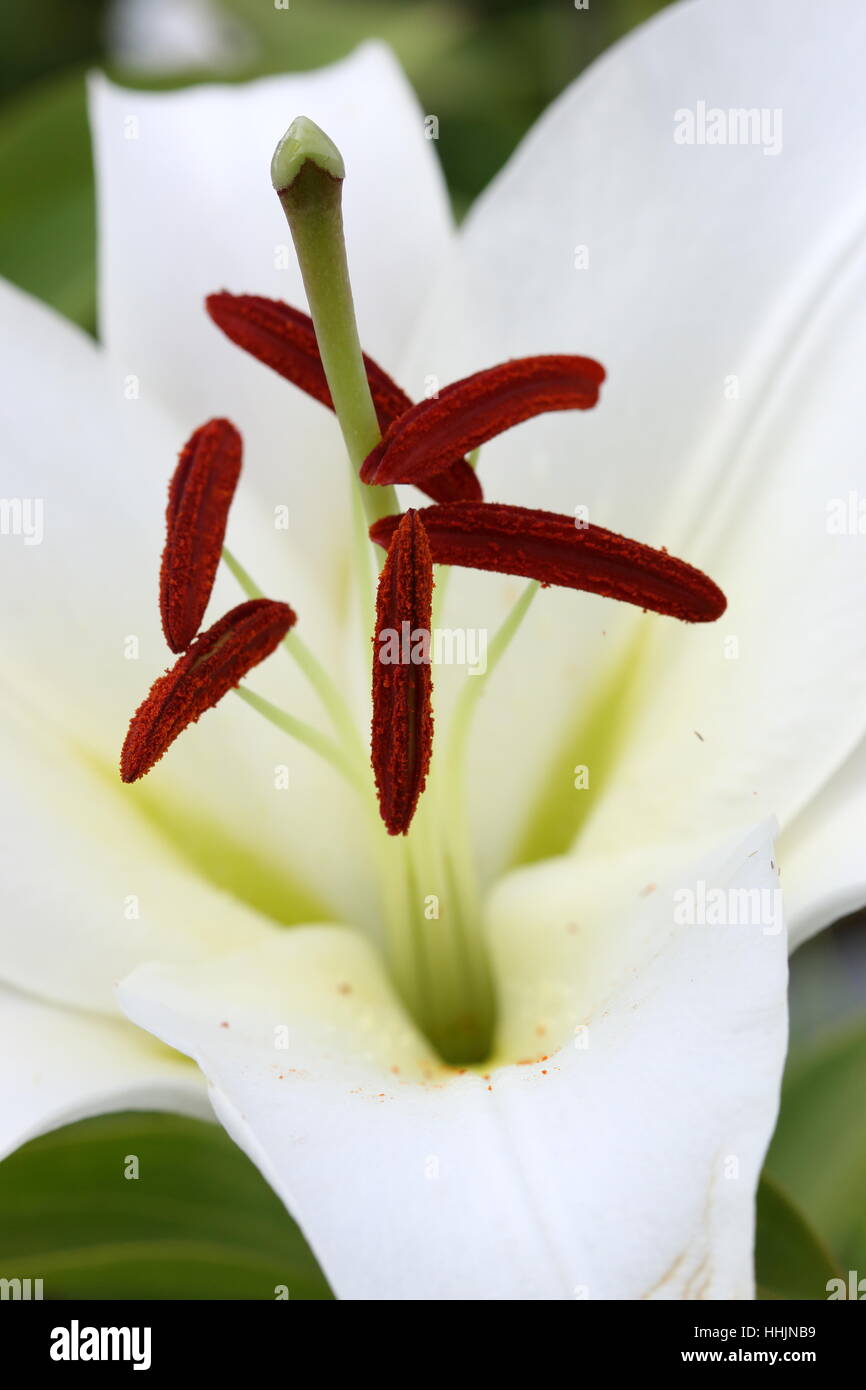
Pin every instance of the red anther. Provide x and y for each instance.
(467, 413)
(199, 496)
(285, 340)
(456, 483)
(402, 735)
(552, 549)
(217, 660)
(278, 335)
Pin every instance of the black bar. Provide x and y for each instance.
(256, 1338)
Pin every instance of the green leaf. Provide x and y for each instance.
(790, 1260)
(47, 225)
(818, 1152)
(45, 36)
(307, 36)
(198, 1222)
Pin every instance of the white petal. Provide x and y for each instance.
(186, 207)
(711, 269)
(76, 454)
(623, 1170)
(762, 707)
(821, 855)
(58, 1066)
(91, 885)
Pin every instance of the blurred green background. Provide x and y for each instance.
(486, 68)
(200, 1223)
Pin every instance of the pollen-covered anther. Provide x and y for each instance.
(216, 662)
(284, 339)
(402, 734)
(425, 440)
(199, 497)
(552, 549)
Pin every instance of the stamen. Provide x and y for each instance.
(402, 736)
(469, 412)
(284, 339)
(550, 548)
(217, 660)
(199, 496)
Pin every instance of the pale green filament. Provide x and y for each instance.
(458, 1008)
(474, 688)
(308, 663)
(247, 583)
(448, 787)
(305, 733)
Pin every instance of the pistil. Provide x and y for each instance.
(307, 172)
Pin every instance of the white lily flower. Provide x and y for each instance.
(610, 1144)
